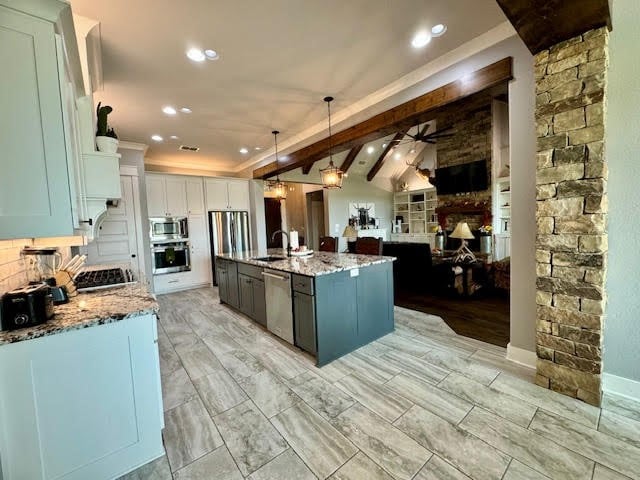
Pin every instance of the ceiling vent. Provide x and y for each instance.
(188, 148)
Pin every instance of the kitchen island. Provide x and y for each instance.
(80, 395)
(328, 304)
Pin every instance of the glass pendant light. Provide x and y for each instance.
(331, 176)
(278, 187)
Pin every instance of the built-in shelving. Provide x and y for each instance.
(417, 211)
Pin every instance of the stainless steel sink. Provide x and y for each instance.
(269, 258)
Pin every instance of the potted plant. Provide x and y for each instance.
(106, 138)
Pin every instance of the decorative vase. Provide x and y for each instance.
(439, 242)
(485, 244)
(107, 144)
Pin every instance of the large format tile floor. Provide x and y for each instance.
(421, 403)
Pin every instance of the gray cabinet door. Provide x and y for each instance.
(259, 303)
(304, 317)
(232, 281)
(245, 292)
(223, 283)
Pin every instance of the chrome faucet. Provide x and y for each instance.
(273, 237)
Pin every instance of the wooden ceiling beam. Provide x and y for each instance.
(399, 118)
(383, 156)
(351, 156)
(307, 168)
(543, 24)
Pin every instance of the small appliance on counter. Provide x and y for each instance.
(26, 307)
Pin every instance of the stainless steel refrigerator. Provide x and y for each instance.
(229, 233)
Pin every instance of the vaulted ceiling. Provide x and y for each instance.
(279, 58)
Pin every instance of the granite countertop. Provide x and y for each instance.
(319, 263)
(88, 310)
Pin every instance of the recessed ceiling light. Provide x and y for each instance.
(438, 30)
(420, 39)
(173, 137)
(257, 148)
(384, 145)
(211, 54)
(244, 151)
(284, 157)
(196, 55)
(156, 138)
(185, 110)
(397, 156)
(169, 110)
(371, 149)
(413, 150)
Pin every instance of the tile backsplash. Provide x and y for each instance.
(13, 269)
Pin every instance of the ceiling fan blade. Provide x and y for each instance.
(423, 132)
(429, 141)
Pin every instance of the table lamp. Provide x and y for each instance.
(463, 232)
(351, 235)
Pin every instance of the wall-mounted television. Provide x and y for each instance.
(468, 177)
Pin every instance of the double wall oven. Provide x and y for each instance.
(170, 250)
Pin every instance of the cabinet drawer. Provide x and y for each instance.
(302, 284)
(250, 270)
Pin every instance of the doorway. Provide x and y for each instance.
(315, 218)
(273, 221)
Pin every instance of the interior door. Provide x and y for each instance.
(117, 239)
(273, 221)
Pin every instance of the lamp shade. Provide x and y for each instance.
(349, 232)
(462, 231)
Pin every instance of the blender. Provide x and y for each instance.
(42, 264)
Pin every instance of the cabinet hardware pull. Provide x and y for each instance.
(266, 274)
(173, 281)
(90, 221)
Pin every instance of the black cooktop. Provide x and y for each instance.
(101, 278)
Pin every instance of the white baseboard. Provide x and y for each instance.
(521, 356)
(621, 386)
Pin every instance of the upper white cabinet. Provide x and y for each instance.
(35, 199)
(166, 196)
(226, 194)
(195, 196)
(55, 183)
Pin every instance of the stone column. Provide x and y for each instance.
(571, 214)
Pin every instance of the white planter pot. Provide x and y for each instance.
(107, 144)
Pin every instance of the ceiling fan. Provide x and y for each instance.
(421, 135)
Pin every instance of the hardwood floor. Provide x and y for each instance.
(420, 403)
(484, 317)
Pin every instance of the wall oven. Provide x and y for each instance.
(170, 257)
(168, 228)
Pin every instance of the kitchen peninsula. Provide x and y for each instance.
(328, 304)
(80, 395)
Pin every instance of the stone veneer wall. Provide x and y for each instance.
(571, 214)
(471, 121)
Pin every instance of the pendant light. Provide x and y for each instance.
(331, 176)
(278, 187)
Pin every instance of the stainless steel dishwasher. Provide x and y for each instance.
(277, 287)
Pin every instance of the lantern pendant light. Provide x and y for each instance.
(331, 176)
(279, 187)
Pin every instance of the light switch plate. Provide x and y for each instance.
(354, 272)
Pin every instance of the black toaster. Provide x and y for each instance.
(26, 307)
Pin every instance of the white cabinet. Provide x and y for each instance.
(173, 195)
(195, 196)
(176, 197)
(156, 196)
(226, 194)
(34, 187)
(81, 404)
(200, 258)
(166, 196)
(238, 194)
